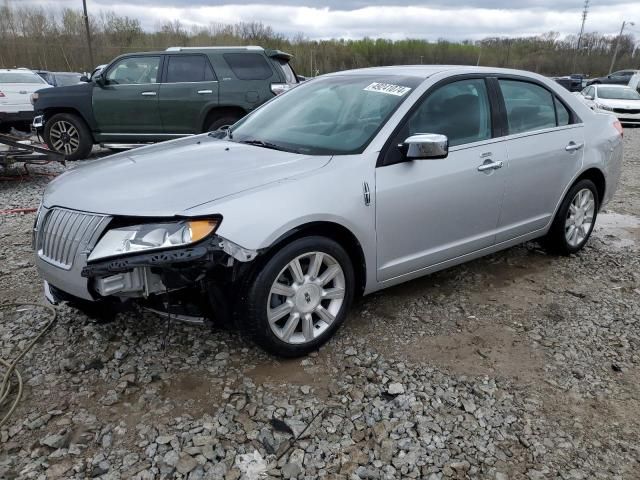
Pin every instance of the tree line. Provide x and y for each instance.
(54, 39)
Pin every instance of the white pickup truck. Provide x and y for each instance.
(16, 87)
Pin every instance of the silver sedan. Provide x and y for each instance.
(347, 184)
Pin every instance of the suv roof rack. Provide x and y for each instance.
(242, 47)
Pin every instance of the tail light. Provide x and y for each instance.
(618, 126)
(279, 88)
(1, 94)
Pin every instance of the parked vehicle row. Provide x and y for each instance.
(620, 100)
(153, 96)
(16, 87)
(345, 185)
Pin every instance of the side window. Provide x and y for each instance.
(460, 110)
(248, 66)
(591, 92)
(564, 117)
(529, 106)
(189, 68)
(134, 70)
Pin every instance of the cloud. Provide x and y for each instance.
(451, 19)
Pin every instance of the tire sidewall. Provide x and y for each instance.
(217, 123)
(256, 322)
(559, 227)
(86, 141)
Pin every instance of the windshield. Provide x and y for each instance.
(20, 77)
(326, 116)
(64, 79)
(618, 93)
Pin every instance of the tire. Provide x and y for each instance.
(68, 134)
(218, 122)
(561, 238)
(318, 318)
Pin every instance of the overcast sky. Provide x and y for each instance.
(395, 19)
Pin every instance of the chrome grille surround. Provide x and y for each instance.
(61, 234)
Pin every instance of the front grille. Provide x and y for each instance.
(629, 111)
(62, 233)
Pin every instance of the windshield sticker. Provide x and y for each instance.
(388, 88)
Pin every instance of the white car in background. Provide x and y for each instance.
(16, 87)
(621, 100)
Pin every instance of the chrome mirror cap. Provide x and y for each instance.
(426, 146)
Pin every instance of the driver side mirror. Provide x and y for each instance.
(425, 146)
(84, 78)
(589, 97)
(99, 79)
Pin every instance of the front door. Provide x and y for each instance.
(127, 103)
(189, 91)
(544, 148)
(430, 211)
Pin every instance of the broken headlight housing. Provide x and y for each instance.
(151, 237)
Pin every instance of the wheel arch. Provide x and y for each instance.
(218, 111)
(597, 177)
(51, 111)
(336, 232)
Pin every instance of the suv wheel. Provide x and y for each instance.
(300, 297)
(225, 119)
(68, 134)
(575, 219)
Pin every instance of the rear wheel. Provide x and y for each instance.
(67, 133)
(300, 297)
(222, 120)
(574, 220)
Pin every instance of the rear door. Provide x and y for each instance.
(545, 144)
(189, 90)
(127, 103)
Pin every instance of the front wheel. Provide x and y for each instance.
(300, 297)
(574, 220)
(67, 134)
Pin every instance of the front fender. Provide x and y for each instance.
(255, 220)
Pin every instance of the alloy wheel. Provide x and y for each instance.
(64, 137)
(580, 217)
(306, 297)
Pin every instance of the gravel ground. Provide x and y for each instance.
(515, 366)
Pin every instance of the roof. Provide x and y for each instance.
(424, 71)
(609, 85)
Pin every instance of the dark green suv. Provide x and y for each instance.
(154, 96)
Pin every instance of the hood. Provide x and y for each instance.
(165, 179)
(16, 93)
(629, 104)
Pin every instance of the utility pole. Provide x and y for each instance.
(615, 52)
(585, 12)
(86, 25)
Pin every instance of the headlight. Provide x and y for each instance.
(34, 97)
(152, 236)
(604, 107)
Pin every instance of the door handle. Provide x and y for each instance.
(490, 166)
(573, 146)
(205, 92)
(148, 94)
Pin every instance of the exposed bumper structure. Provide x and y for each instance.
(64, 239)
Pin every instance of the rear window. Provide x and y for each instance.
(67, 79)
(189, 68)
(288, 71)
(20, 77)
(248, 66)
